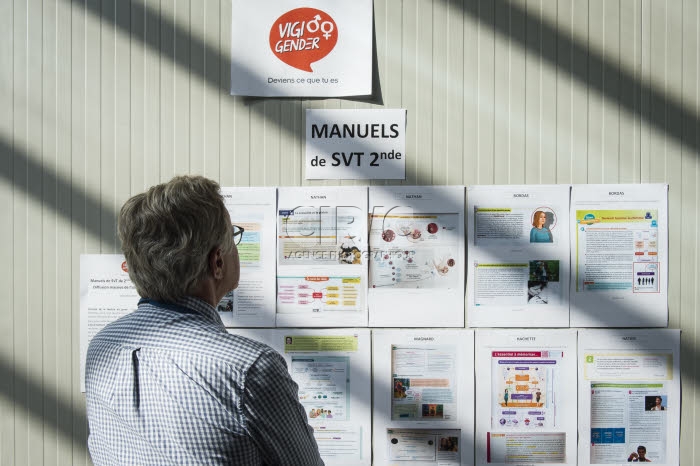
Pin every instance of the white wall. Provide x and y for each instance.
(101, 99)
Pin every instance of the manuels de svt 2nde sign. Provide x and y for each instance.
(355, 144)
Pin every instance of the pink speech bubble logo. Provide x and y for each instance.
(303, 36)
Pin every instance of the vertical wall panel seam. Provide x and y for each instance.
(510, 97)
(101, 116)
(204, 86)
(492, 122)
(638, 98)
(12, 282)
(618, 109)
(665, 92)
(556, 93)
(540, 103)
(219, 91)
(603, 98)
(478, 86)
(432, 92)
(588, 91)
(695, 138)
(160, 92)
(191, 78)
(115, 119)
(71, 227)
(45, 167)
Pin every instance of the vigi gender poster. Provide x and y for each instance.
(316, 48)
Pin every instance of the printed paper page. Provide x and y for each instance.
(424, 383)
(423, 396)
(629, 396)
(282, 48)
(525, 409)
(518, 272)
(416, 260)
(106, 294)
(332, 369)
(423, 447)
(355, 144)
(252, 304)
(321, 257)
(619, 237)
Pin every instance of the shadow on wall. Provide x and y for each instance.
(653, 106)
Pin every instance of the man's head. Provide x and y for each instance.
(173, 237)
(642, 452)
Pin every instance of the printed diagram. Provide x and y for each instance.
(423, 383)
(324, 385)
(321, 235)
(613, 243)
(413, 250)
(319, 293)
(646, 277)
(646, 273)
(412, 268)
(523, 387)
(523, 394)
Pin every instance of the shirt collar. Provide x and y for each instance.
(190, 303)
(202, 307)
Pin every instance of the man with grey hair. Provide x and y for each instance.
(167, 384)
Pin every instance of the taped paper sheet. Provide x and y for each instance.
(423, 397)
(518, 274)
(629, 396)
(252, 304)
(314, 48)
(106, 294)
(525, 397)
(619, 239)
(321, 257)
(332, 369)
(416, 260)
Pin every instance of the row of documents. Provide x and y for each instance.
(389, 256)
(447, 397)
(450, 397)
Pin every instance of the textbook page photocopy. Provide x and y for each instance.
(518, 272)
(332, 369)
(322, 256)
(252, 304)
(525, 397)
(423, 396)
(629, 396)
(106, 294)
(619, 251)
(416, 260)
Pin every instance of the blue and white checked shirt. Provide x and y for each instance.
(167, 384)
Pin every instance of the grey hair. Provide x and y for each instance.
(168, 232)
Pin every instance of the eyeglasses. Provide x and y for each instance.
(237, 234)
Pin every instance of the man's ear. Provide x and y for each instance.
(216, 263)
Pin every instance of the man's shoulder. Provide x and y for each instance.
(163, 330)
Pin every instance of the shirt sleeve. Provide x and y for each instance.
(275, 419)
